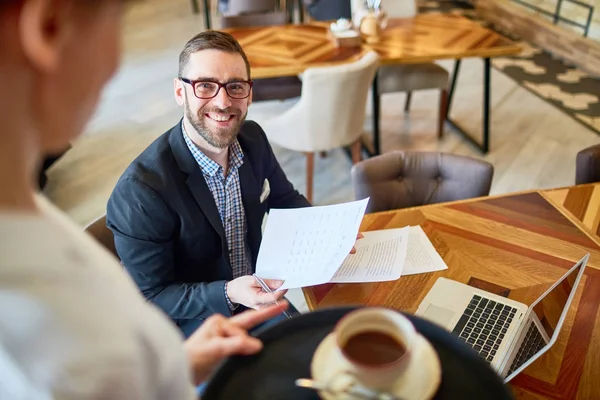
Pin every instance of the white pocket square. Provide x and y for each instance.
(266, 189)
(264, 222)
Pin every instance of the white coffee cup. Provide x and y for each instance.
(376, 346)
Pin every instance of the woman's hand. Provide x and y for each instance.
(220, 337)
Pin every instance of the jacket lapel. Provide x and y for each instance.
(251, 199)
(206, 201)
(197, 184)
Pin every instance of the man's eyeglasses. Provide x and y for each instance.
(208, 89)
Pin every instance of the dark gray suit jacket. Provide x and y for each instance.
(167, 228)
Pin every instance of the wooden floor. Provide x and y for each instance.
(533, 144)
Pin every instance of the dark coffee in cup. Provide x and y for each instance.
(373, 348)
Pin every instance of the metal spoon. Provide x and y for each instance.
(354, 390)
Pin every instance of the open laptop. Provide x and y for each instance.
(508, 334)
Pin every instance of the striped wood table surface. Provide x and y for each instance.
(284, 50)
(514, 245)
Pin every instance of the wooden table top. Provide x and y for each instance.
(516, 246)
(581, 204)
(289, 49)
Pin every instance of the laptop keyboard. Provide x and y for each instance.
(531, 344)
(483, 325)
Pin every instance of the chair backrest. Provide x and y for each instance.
(239, 7)
(404, 179)
(587, 168)
(332, 104)
(261, 19)
(98, 230)
(399, 8)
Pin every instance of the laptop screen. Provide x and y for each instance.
(550, 307)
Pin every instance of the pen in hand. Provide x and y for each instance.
(267, 289)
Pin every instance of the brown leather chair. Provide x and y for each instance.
(102, 234)
(404, 179)
(266, 88)
(587, 169)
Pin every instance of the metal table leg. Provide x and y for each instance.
(484, 146)
(376, 112)
(452, 85)
(487, 69)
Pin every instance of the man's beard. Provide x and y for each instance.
(222, 137)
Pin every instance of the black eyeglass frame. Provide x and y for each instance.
(220, 85)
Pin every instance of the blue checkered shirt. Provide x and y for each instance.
(227, 193)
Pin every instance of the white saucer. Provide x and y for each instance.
(419, 381)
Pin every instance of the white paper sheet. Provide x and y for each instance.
(379, 257)
(421, 256)
(306, 246)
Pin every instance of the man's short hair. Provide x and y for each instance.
(211, 40)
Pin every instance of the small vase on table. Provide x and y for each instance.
(373, 22)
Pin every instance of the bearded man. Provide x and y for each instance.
(187, 213)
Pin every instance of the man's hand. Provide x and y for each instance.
(359, 236)
(219, 337)
(247, 291)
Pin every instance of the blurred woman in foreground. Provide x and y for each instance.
(72, 324)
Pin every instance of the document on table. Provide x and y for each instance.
(379, 257)
(311, 246)
(421, 256)
(306, 246)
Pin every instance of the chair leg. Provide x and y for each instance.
(442, 111)
(407, 104)
(310, 169)
(356, 149)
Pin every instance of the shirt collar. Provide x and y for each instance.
(208, 166)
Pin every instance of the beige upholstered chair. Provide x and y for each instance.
(280, 88)
(588, 165)
(330, 113)
(404, 179)
(412, 77)
(99, 231)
